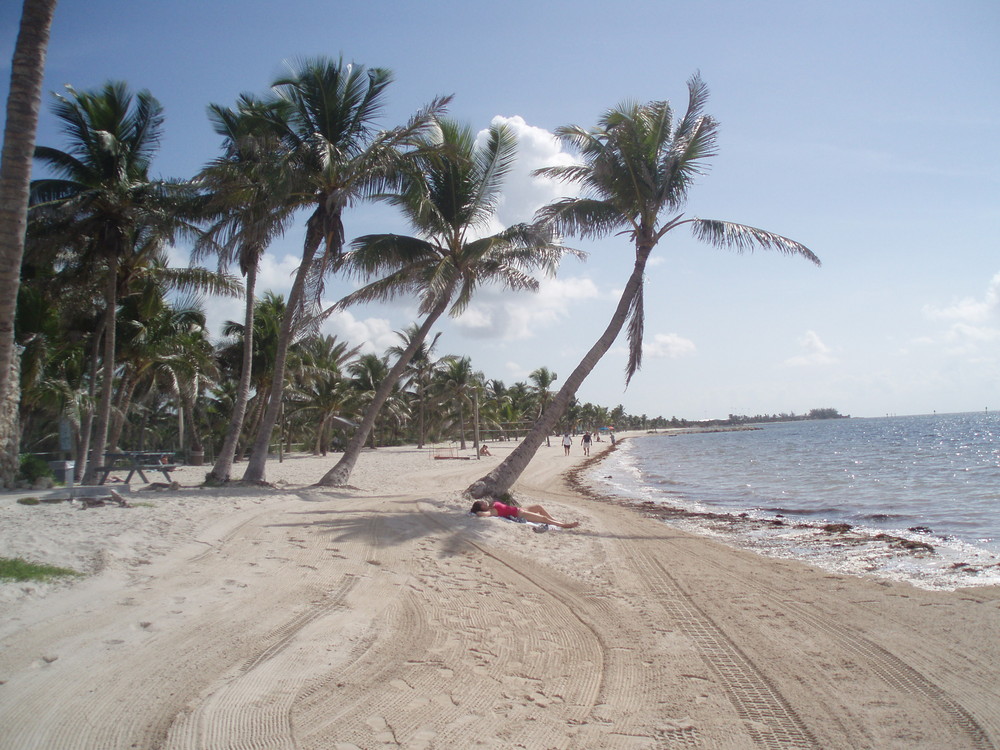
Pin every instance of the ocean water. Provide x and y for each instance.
(921, 493)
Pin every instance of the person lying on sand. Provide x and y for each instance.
(533, 513)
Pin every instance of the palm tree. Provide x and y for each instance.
(268, 312)
(419, 373)
(23, 101)
(453, 194)
(457, 382)
(368, 372)
(250, 199)
(339, 158)
(103, 183)
(637, 169)
(542, 379)
(323, 391)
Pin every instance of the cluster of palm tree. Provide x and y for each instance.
(110, 347)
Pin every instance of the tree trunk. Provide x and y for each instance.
(87, 416)
(100, 438)
(502, 478)
(258, 454)
(126, 390)
(341, 473)
(224, 463)
(23, 101)
(11, 435)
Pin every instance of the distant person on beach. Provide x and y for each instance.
(484, 451)
(533, 513)
(586, 443)
(567, 441)
(612, 437)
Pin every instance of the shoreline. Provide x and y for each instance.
(920, 558)
(386, 615)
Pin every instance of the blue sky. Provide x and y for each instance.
(866, 130)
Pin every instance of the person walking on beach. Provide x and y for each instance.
(567, 441)
(585, 441)
(533, 513)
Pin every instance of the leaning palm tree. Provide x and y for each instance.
(340, 158)
(452, 195)
(637, 167)
(118, 210)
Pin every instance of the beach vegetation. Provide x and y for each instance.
(449, 195)
(115, 350)
(337, 157)
(636, 169)
(247, 210)
(34, 468)
(102, 218)
(18, 569)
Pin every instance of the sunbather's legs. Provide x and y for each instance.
(528, 515)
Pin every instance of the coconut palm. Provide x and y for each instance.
(117, 209)
(368, 372)
(541, 380)
(457, 382)
(322, 390)
(418, 374)
(249, 188)
(339, 158)
(268, 312)
(453, 195)
(637, 167)
(23, 100)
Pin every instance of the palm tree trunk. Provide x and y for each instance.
(126, 389)
(502, 478)
(23, 101)
(341, 473)
(87, 417)
(461, 424)
(258, 454)
(224, 462)
(107, 377)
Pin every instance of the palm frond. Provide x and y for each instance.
(636, 323)
(742, 238)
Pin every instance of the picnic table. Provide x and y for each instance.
(137, 462)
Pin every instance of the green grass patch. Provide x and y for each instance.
(28, 500)
(144, 504)
(16, 569)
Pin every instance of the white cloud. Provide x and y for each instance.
(669, 345)
(374, 335)
(815, 352)
(511, 316)
(524, 194)
(970, 310)
(974, 322)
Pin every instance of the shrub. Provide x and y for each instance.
(34, 468)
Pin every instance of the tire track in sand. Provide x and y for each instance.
(895, 672)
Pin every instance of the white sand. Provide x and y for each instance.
(385, 616)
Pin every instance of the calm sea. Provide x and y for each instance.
(933, 479)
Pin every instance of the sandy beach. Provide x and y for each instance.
(385, 616)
